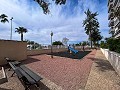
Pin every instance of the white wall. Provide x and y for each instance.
(113, 58)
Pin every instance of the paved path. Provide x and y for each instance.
(102, 75)
(67, 73)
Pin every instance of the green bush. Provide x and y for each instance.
(103, 44)
(57, 43)
(114, 44)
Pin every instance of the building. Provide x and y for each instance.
(114, 17)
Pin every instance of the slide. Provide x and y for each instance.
(73, 50)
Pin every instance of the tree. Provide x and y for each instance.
(77, 44)
(45, 5)
(57, 43)
(33, 45)
(64, 41)
(84, 43)
(21, 30)
(96, 37)
(90, 23)
(3, 18)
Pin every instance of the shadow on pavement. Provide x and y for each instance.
(5, 89)
(30, 60)
(33, 87)
(102, 64)
(41, 87)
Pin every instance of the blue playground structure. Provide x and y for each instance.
(72, 50)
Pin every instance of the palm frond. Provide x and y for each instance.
(3, 18)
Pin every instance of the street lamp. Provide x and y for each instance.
(11, 28)
(51, 45)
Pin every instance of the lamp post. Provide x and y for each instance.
(51, 45)
(11, 28)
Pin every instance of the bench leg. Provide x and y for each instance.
(13, 74)
(27, 87)
(9, 69)
(37, 84)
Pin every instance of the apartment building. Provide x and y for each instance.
(114, 17)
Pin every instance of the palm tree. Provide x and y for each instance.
(90, 23)
(21, 30)
(3, 18)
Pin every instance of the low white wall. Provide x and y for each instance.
(43, 51)
(113, 58)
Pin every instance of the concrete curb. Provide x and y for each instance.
(4, 77)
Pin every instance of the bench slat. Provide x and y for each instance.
(18, 73)
(31, 73)
(12, 65)
(30, 80)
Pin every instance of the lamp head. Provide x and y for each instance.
(11, 18)
(51, 33)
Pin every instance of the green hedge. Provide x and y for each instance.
(112, 44)
(104, 45)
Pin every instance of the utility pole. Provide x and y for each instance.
(51, 45)
(11, 28)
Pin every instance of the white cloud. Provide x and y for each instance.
(30, 15)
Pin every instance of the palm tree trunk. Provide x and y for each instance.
(90, 39)
(98, 43)
(21, 36)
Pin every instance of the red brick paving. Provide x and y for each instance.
(68, 73)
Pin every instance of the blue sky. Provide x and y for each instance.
(65, 20)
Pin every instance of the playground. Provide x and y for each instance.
(71, 53)
(66, 54)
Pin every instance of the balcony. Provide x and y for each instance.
(117, 5)
(111, 30)
(117, 34)
(109, 1)
(111, 23)
(110, 5)
(117, 22)
(110, 15)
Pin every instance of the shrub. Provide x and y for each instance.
(57, 43)
(103, 44)
(114, 44)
